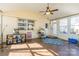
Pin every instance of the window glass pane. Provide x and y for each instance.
(63, 25)
(63, 22)
(75, 20)
(54, 27)
(75, 25)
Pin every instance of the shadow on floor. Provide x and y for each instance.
(5, 51)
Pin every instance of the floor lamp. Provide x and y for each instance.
(1, 12)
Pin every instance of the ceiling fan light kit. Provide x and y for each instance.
(47, 13)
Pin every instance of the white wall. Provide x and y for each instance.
(9, 22)
(41, 24)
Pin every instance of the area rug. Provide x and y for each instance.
(53, 41)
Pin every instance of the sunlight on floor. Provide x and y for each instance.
(35, 45)
(30, 49)
(42, 52)
(19, 46)
(20, 54)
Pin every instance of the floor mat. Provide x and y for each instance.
(53, 41)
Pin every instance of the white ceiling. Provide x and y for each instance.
(65, 9)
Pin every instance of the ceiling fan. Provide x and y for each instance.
(48, 10)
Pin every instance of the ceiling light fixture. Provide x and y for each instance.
(47, 13)
(49, 10)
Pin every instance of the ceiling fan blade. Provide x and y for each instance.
(48, 10)
(51, 13)
(54, 10)
(42, 11)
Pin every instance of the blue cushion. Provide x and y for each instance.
(72, 40)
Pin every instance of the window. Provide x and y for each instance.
(66, 25)
(54, 27)
(63, 26)
(74, 25)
